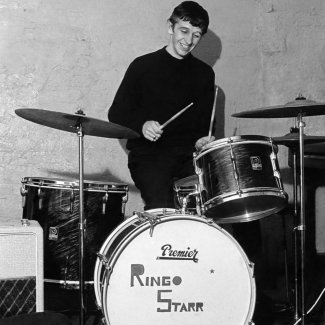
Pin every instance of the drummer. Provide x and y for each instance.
(156, 87)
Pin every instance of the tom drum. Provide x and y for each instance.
(55, 205)
(239, 179)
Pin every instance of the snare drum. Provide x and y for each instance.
(55, 205)
(172, 268)
(240, 179)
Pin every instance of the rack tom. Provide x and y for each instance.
(239, 179)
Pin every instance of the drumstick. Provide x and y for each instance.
(213, 112)
(176, 115)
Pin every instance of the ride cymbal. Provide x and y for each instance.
(301, 106)
(70, 123)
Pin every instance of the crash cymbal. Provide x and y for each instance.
(292, 139)
(301, 106)
(69, 122)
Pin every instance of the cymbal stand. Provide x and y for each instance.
(295, 216)
(302, 224)
(81, 225)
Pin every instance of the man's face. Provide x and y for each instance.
(183, 38)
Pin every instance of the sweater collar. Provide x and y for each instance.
(174, 60)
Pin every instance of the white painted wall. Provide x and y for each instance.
(65, 55)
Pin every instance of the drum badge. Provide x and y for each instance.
(53, 233)
(168, 253)
(256, 163)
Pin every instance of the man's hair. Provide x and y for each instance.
(192, 12)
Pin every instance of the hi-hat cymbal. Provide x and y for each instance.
(69, 122)
(292, 139)
(304, 107)
(315, 148)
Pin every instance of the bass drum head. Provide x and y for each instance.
(190, 271)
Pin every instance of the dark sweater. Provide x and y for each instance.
(155, 87)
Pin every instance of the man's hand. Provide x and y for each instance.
(151, 130)
(203, 141)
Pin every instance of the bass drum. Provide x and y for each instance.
(168, 268)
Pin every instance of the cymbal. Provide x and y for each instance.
(304, 107)
(316, 148)
(69, 123)
(292, 139)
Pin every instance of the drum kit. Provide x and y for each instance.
(160, 263)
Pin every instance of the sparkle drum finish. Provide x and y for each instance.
(239, 179)
(55, 205)
(170, 268)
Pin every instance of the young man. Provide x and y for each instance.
(156, 86)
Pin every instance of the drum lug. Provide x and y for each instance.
(199, 208)
(124, 201)
(23, 193)
(41, 195)
(276, 172)
(104, 199)
(72, 199)
(66, 267)
(104, 261)
(108, 269)
(234, 166)
(252, 268)
(197, 169)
